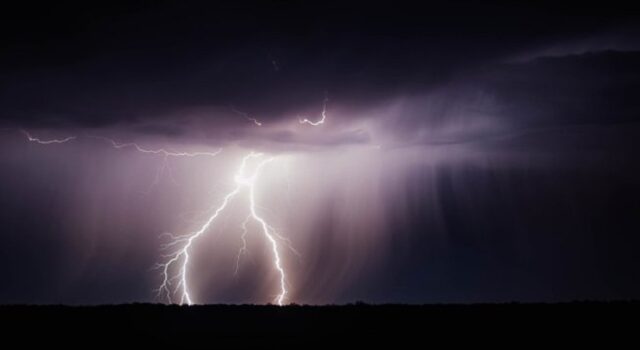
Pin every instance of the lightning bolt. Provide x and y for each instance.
(175, 270)
(321, 120)
(46, 142)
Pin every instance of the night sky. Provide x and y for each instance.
(471, 152)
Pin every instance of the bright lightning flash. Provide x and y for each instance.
(175, 270)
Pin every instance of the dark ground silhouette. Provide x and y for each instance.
(585, 322)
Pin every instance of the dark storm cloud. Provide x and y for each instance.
(511, 99)
(99, 65)
(285, 138)
(597, 88)
(160, 129)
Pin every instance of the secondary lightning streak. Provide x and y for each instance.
(246, 116)
(164, 167)
(242, 249)
(46, 142)
(118, 145)
(319, 122)
(162, 151)
(180, 258)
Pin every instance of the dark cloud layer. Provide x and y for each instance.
(95, 65)
(508, 99)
